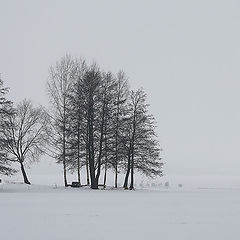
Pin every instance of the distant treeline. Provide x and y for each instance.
(95, 124)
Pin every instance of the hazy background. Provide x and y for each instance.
(186, 55)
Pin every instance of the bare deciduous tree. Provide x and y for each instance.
(24, 135)
(143, 148)
(62, 76)
(77, 130)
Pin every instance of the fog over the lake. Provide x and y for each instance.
(185, 54)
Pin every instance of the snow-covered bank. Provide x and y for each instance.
(46, 212)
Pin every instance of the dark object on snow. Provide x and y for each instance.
(76, 184)
(166, 184)
(0, 180)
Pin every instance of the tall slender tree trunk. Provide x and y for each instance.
(25, 178)
(125, 185)
(64, 147)
(106, 158)
(78, 157)
(64, 161)
(87, 161)
(87, 168)
(106, 165)
(64, 170)
(105, 176)
(78, 173)
(78, 163)
(94, 184)
(132, 175)
(116, 146)
(132, 150)
(101, 142)
(116, 176)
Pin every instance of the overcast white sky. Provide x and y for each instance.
(186, 55)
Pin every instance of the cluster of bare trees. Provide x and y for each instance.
(98, 125)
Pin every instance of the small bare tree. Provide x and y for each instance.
(143, 149)
(24, 135)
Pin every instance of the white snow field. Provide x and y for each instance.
(192, 212)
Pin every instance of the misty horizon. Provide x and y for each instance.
(184, 55)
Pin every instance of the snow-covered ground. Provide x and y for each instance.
(202, 210)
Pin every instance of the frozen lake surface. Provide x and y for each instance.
(44, 212)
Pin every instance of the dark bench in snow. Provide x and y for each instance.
(76, 184)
